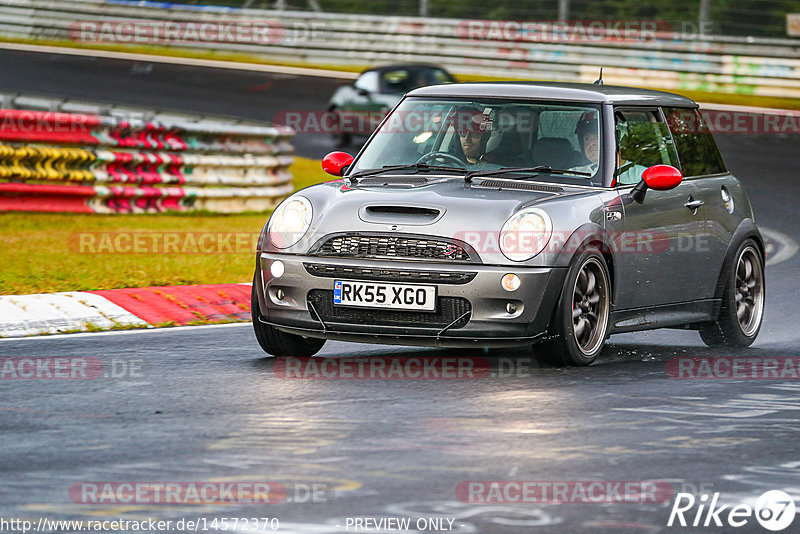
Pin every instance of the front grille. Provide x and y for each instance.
(448, 309)
(394, 247)
(387, 275)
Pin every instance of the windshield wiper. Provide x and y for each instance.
(541, 169)
(420, 167)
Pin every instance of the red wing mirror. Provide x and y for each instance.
(335, 163)
(662, 177)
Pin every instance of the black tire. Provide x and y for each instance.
(585, 299)
(340, 139)
(278, 343)
(743, 301)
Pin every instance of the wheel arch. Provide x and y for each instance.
(589, 235)
(747, 229)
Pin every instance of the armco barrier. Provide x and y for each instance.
(133, 161)
(671, 60)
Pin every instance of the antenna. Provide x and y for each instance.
(599, 81)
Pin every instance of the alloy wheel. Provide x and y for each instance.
(749, 292)
(590, 306)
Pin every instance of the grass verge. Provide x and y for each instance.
(43, 252)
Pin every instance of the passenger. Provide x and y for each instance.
(627, 172)
(588, 138)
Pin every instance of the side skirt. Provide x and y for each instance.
(679, 315)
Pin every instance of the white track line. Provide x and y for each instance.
(788, 249)
(207, 63)
(125, 332)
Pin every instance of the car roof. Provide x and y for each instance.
(571, 92)
(396, 66)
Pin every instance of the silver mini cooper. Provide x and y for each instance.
(506, 214)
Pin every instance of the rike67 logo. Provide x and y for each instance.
(774, 511)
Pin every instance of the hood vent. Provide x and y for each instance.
(403, 211)
(508, 184)
(386, 180)
(400, 213)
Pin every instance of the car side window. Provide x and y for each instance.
(643, 140)
(397, 81)
(697, 151)
(440, 76)
(368, 81)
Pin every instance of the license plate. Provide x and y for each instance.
(380, 295)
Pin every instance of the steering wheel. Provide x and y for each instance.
(440, 156)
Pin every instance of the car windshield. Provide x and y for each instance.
(490, 135)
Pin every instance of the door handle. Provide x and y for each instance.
(694, 204)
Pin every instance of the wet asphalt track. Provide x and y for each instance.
(207, 406)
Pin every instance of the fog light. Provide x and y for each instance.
(511, 282)
(279, 294)
(277, 269)
(511, 308)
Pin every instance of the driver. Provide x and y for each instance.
(474, 128)
(477, 134)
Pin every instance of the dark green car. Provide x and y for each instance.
(360, 107)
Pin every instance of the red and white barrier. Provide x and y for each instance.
(75, 311)
(132, 161)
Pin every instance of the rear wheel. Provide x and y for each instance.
(580, 324)
(278, 343)
(742, 309)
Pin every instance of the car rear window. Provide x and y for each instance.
(697, 151)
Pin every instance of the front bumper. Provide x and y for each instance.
(471, 312)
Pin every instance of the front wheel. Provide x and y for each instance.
(580, 324)
(743, 299)
(278, 343)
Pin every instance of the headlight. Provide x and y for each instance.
(525, 234)
(290, 222)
